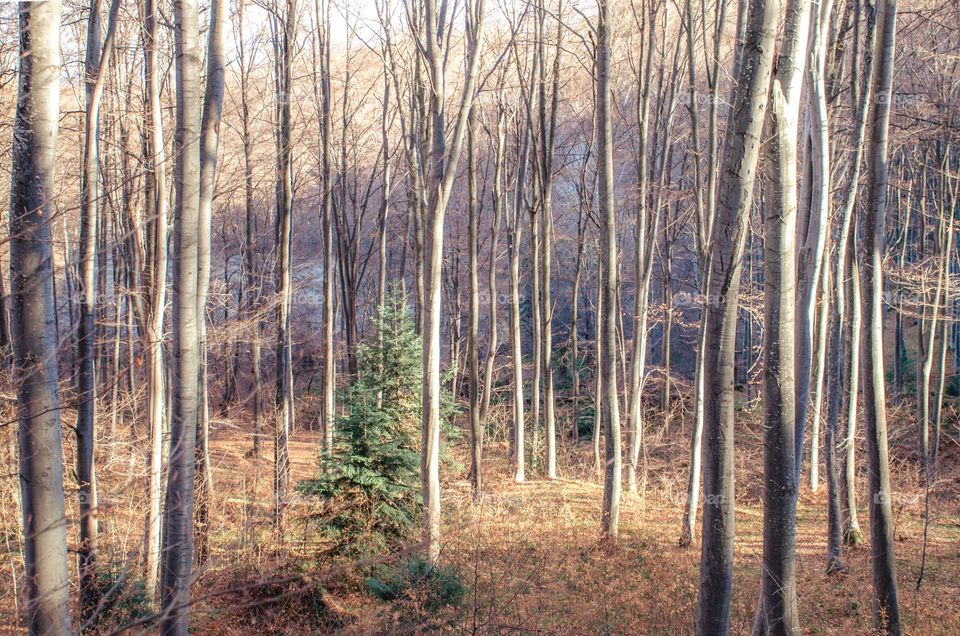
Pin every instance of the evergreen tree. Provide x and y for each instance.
(370, 479)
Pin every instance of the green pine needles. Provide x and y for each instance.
(370, 482)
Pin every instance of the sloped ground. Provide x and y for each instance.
(528, 554)
(530, 557)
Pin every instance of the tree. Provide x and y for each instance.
(734, 199)
(97, 59)
(441, 171)
(33, 313)
(178, 519)
(610, 517)
(886, 606)
(209, 147)
(283, 421)
(369, 485)
(778, 612)
(156, 205)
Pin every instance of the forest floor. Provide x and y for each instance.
(529, 553)
(531, 560)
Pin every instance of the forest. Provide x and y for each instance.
(480, 317)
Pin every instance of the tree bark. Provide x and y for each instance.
(886, 607)
(33, 313)
(283, 401)
(610, 516)
(209, 140)
(734, 200)
(178, 519)
(158, 228)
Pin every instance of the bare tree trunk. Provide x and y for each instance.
(157, 187)
(251, 290)
(704, 229)
(473, 327)
(823, 319)
(813, 222)
(283, 417)
(852, 534)
(328, 378)
(645, 236)
(209, 141)
(848, 269)
(33, 310)
(886, 607)
(178, 519)
(95, 65)
(548, 124)
(514, 232)
(734, 200)
(441, 171)
(492, 297)
(778, 612)
(610, 516)
(598, 349)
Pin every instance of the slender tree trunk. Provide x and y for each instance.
(492, 296)
(328, 378)
(283, 420)
(209, 141)
(610, 516)
(734, 200)
(157, 204)
(178, 519)
(778, 613)
(33, 310)
(886, 607)
(473, 327)
(513, 238)
(441, 171)
(813, 223)
(251, 291)
(823, 320)
(96, 63)
(598, 349)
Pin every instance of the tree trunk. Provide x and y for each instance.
(473, 327)
(778, 613)
(328, 377)
(886, 607)
(610, 516)
(95, 65)
(251, 290)
(441, 172)
(813, 222)
(158, 224)
(210, 131)
(734, 200)
(283, 401)
(33, 312)
(178, 520)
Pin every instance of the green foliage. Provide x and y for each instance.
(370, 483)
(952, 386)
(434, 587)
(122, 599)
(585, 420)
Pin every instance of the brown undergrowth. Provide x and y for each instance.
(528, 554)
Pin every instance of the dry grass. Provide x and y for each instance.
(529, 553)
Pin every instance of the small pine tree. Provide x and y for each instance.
(370, 482)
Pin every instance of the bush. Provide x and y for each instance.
(433, 587)
(586, 415)
(122, 599)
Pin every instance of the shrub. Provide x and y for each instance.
(434, 587)
(122, 599)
